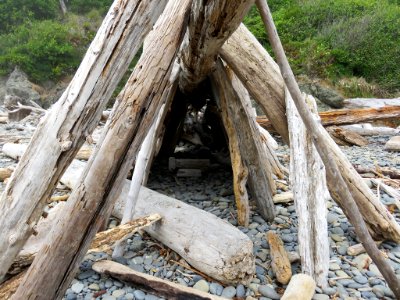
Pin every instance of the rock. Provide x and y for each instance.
(108, 297)
(334, 267)
(393, 144)
(324, 94)
(320, 297)
(362, 261)
(360, 279)
(240, 291)
(268, 292)
(3, 81)
(20, 89)
(139, 295)
(229, 292)
(77, 287)
(216, 289)
(118, 293)
(374, 269)
(202, 285)
(94, 287)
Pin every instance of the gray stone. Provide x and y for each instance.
(118, 293)
(320, 297)
(269, 292)
(229, 292)
(360, 279)
(94, 287)
(77, 287)
(129, 296)
(334, 267)
(108, 297)
(329, 291)
(202, 285)
(139, 295)
(151, 297)
(240, 291)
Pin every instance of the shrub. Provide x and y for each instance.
(85, 6)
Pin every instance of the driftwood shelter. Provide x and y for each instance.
(192, 49)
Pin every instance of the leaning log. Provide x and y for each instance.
(308, 182)
(154, 285)
(249, 140)
(210, 25)
(71, 120)
(348, 116)
(181, 232)
(134, 111)
(260, 75)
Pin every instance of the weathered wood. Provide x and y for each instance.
(348, 116)
(346, 137)
(370, 102)
(338, 187)
(395, 194)
(236, 115)
(260, 75)
(285, 197)
(308, 182)
(188, 173)
(5, 173)
(154, 285)
(8, 288)
(71, 119)
(369, 130)
(188, 163)
(358, 249)
(301, 287)
(381, 171)
(267, 137)
(210, 25)
(279, 258)
(136, 106)
(393, 144)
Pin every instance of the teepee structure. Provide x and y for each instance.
(187, 45)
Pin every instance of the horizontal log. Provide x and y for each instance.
(346, 137)
(380, 172)
(154, 285)
(348, 116)
(370, 102)
(369, 130)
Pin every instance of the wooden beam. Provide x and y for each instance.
(236, 114)
(260, 75)
(211, 23)
(71, 120)
(136, 107)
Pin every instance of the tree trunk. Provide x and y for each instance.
(71, 120)
(259, 74)
(308, 181)
(134, 111)
(249, 140)
(211, 23)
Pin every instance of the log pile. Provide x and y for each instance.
(205, 46)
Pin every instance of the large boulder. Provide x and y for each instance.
(20, 89)
(324, 94)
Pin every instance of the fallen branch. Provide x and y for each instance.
(154, 285)
(279, 258)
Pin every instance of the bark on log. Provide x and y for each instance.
(154, 285)
(136, 106)
(279, 258)
(72, 118)
(208, 253)
(301, 287)
(321, 140)
(260, 75)
(251, 148)
(346, 137)
(348, 116)
(308, 182)
(211, 23)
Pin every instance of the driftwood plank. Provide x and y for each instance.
(71, 120)
(150, 283)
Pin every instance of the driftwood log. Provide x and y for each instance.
(346, 137)
(154, 285)
(250, 145)
(348, 116)
(260, 75)
(310, 192)
(71, 120)
(136, 106)
(301, 287)
(369, 130)
(280, 262)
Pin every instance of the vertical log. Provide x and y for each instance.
(260, 75)
(308, 181)
(59, 137)
(249, 139)
(211, 23)
(135, 109)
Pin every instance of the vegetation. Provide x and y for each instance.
(353, 44)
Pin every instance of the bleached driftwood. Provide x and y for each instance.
(210, 25)
(71, 119)
(154, 285)
(260, 75)
(369, 130)
(285, 197)
(280, 262)
(135, 109)
(235, 114)
(301, 287)
(346, 137)
(358, 249)
(268, 137)
(310, 192)
(395, 194)
(370, 102)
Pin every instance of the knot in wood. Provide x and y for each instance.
(66, 145)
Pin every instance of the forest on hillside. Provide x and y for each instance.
(352, 45)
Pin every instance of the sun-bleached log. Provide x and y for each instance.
(279, 258)
(154, 285)
(66, 126)
(369, 130)
(301, 287)
(135, 109)
(210, 25)
(310, 192)
(260, 75)
(236, 115)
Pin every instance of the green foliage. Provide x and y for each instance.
(338, 38)
(85, 6)
(43, 49)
